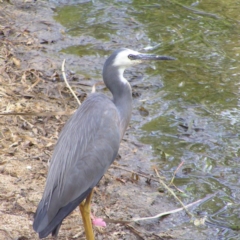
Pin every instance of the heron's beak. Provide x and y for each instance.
(150, 57)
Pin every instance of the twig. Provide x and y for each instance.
(171, 191)
(26, 121)
(107, 220)
(168, 212)
(136, 173)
(160, 214)
(171, 182)
(174, 174)
(36, 82)
(36, 113)
(69, 87)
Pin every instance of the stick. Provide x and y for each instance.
(167, 213)
(36, 113)
(180, 165)
(136, 173)
(160, 214)
(171, 191)
(65, 79)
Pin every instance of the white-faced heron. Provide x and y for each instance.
(87, 146)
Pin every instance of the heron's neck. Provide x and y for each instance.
(122, 93)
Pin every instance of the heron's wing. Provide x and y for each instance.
(87, 145)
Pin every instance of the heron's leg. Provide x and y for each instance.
(85, 209)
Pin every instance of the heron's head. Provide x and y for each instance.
(124, 58)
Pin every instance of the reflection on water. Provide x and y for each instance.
(195, 116)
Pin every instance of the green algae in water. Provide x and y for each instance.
(84, 50)
(84, 19)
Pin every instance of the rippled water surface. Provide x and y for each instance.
(193, 103)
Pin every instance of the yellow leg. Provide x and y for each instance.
(85, 209)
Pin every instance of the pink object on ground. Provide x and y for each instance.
(98, 221)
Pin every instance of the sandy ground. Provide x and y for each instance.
(31, 84)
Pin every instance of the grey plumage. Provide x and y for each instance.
(80, 147)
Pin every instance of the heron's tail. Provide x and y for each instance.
(44, 226)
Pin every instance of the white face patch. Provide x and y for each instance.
(123, 61)
(121, 77)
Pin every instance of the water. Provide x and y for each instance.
(193, 102)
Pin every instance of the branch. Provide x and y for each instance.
(171, 191)
(149, 178)
(69, 87)
(160, 214)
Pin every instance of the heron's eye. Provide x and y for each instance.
(131, 56)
